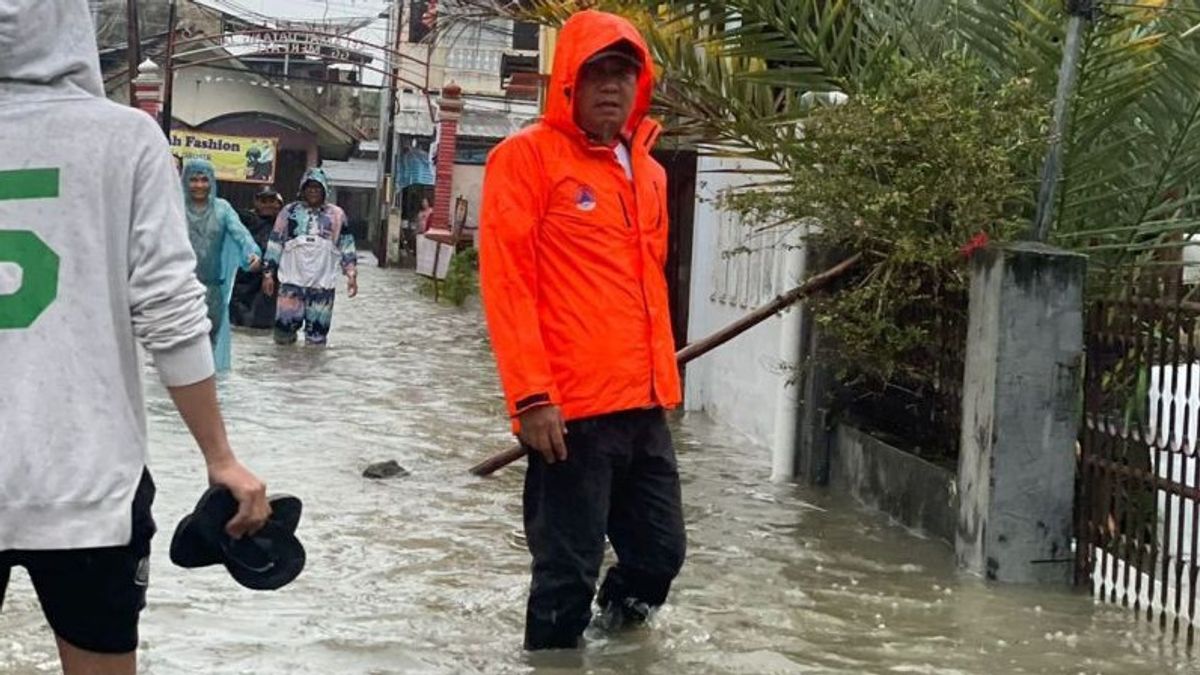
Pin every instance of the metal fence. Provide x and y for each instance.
(1138, 499)
(920, 408)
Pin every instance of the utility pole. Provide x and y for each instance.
(169, 71)
(387, 116)
(134, 55)
(1081, 12)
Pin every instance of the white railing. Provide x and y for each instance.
(753, 261)
(475, 60)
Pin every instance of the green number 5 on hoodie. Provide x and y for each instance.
(37, 262)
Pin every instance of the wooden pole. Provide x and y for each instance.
(703, 346)
(168, 96)
(133, 49)
(396, 24)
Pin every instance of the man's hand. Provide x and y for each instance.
(543, 430)
(255, 263)
(352, 285)
(197, 404)
(268, 285)
(250, 493)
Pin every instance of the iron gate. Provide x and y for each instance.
(1138, 495)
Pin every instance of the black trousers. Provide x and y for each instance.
(620, 480)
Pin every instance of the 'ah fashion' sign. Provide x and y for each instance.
(236, 158)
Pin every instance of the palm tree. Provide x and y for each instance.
(738, 74)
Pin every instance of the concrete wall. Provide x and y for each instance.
(734, 269)
(918, 494)
(468, 183)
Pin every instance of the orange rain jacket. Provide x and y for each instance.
(572, 252)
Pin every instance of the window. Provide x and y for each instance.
(473, 150)
(525, 36)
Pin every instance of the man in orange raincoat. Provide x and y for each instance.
(573, 243)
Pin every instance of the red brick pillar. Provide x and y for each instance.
(148, 88)
(450, 108)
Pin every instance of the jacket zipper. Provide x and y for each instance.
(625, 212)
(642, 286)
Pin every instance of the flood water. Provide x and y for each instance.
(428, 574)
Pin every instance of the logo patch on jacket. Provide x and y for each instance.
(586, 199)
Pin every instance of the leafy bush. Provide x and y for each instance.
(907, 175)
(462, 278)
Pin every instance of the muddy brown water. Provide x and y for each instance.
(428, 574)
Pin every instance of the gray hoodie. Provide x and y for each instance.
(94, 258)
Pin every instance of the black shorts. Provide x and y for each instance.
(92, 597)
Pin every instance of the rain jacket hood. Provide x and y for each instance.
(318, 175)
(583, 36)
(48, 44)
(199, 167)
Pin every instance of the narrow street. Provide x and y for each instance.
(428, 573)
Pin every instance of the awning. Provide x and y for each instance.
(360, 174)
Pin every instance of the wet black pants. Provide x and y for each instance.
(620, 480)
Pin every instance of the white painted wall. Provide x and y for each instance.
(735, 267)
(468, 183)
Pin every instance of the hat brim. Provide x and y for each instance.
(618, 53)
(188, 549)
(286, 511)
(196, 542)
(267, 560)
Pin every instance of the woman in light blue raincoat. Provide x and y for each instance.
(222, 245)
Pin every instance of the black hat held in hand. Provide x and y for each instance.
(264, 561)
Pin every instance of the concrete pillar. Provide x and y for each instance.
(148, 88)
(787, 398)
(450, 108)
(817, 392)
(1021, 414)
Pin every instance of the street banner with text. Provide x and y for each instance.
(239, 159)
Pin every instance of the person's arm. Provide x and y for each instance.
(197, 405)
(170, 320)
(514, 196)
(275, 249)
(251, 253)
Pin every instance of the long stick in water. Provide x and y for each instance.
(701, 347)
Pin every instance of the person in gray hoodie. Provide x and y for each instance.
(94, 260)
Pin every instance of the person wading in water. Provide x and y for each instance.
(100, 241)
(573, 243)
(310, 244)
(222, 245)
(250, 307)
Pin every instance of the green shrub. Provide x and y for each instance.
(462, 277)
(907, 176)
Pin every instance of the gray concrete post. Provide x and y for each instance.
(814, 433)
(1020, 417)
(817, 392)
